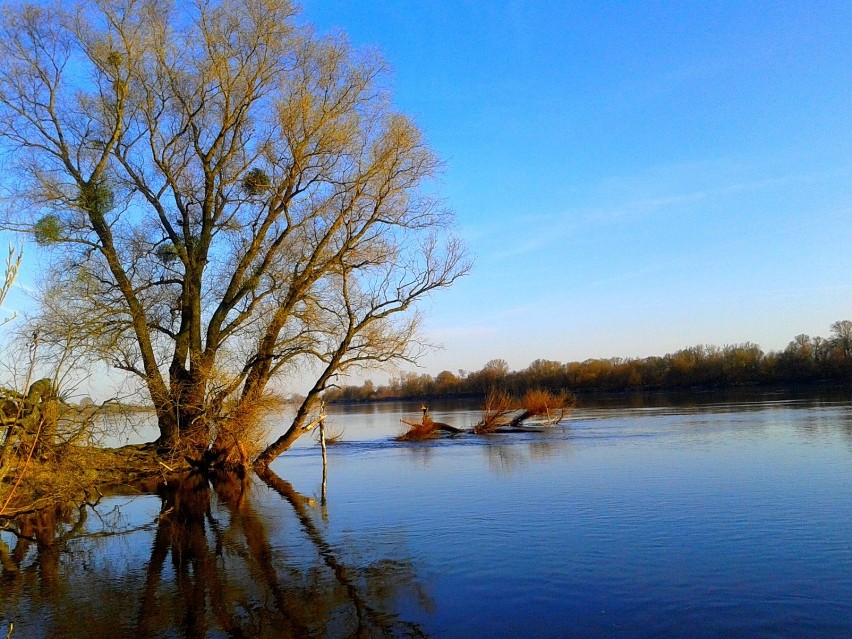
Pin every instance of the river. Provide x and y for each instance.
(719, 518)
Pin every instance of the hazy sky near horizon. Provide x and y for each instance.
(632, 178)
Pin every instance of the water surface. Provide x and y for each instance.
(722, 519)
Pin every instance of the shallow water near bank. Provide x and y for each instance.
(720, 519)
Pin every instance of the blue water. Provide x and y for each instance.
(719, 520)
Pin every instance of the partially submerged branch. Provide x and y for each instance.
(501, 410)
(425, 428)
(502, 413)
(496, 413)
(543, 403)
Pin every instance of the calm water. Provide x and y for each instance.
(729, 519)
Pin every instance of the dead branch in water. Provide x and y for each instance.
(333, 435)
(498, 407)
(425, 428)
(538, 402)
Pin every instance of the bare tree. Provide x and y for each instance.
(227, 197)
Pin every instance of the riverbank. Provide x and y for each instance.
(80, 474)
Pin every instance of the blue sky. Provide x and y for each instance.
(633, 178)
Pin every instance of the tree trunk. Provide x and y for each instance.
(287, 439)
(184, 427)
(169, 432)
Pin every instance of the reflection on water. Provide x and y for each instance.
(723, 518)
(514, 457)
(210, 569)
(736, 398)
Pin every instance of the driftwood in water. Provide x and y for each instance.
(499, 408)
(500, 415)
(551, 417)
(515, 429)
(434, 425)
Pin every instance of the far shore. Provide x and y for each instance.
(694, 394)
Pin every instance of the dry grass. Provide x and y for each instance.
(71, 473)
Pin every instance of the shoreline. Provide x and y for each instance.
(700, 391)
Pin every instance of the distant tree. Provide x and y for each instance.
(446, 383)
(544, 373)
(742, 363)
(820, 348)
(842, 337)
(801, 345)
(496, 367)
(490, 376)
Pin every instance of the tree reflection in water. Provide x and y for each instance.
(512, 457)
(213, 570)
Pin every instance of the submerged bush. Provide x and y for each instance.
(495, 414)
(499, 408)
(425, 429)
(538, 401)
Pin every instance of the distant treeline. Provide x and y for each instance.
(805, 360)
